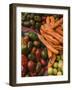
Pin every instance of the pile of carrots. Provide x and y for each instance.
(51, 35)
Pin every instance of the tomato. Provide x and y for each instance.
(38, 53)
(31, 66)
(43, 62)
(24, 61)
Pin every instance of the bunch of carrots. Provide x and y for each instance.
(51, 35)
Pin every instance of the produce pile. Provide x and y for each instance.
(41, 44)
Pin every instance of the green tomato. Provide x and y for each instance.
(61, 57)
(60, 66)
(44, 54)
(55, 71)
(59, 73)
(60, 61)
(31, 56)
(55, 65)
(58, 58)
(33, 36)
(50, 71)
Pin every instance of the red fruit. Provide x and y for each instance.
(33, 73)
(33, 50)
(24, 61)
(43, 62)
(23, 72)
(38, 54)
(31, 66)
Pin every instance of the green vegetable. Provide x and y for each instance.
(28, 17)
(55, 71)
(37, 18)
(55, 65)
(31, 16)
(60, 65)
(31, 56)
(26, 23)
(37, 25)
(38, 67)
(24, 49)
(32, 22)
(24, 16)
(61, 57)
(33, 36)
(44, 54)
(59, 73)
(50, 71)
(30, 44)
(58, 58)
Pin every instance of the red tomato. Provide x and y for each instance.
(31, 66)
(43, 62)
(38, 53)
(24, 61)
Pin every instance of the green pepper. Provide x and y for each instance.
(31, 56)
(44, 54)
(33, 36)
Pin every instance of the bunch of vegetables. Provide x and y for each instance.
(31, 20)
(34, 56)
(42, 44)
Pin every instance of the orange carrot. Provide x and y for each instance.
(47, 20)
(52, 60)
(59, 47)
(52, 21)
(59, 30)
(58, 23)
(49, 53)
(47, 44)
(54, 34)
(49, 38)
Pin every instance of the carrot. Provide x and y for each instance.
(47, 20)
(59, 47)
(54, 34)
(49, 38)
(58, 23)
(52, 60)
(42, 27)
(47, 44)
(47, 27)
(49, 53)
(59, 30)
(52, 21)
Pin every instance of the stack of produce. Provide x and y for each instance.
(42, 44)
